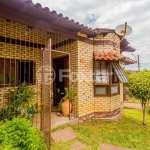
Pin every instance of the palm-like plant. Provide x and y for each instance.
(20, 99)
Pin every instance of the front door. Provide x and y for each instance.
(61, 81)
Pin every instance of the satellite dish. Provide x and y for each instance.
(123, 29)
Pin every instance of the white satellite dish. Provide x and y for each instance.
(123, 29)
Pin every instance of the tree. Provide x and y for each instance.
(139, 86)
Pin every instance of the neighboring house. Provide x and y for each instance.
(25, 29)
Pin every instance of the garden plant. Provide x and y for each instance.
(18, 134)
(139, 86)
(19, 102)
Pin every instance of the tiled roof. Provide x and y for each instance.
(27, 7)
(113, 56)
(128, 61)
(104, 30)
(54, 13)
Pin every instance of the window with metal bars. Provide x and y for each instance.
(14, 72)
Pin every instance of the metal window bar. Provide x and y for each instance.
(10, 62)
(119, 72)
(39, 119)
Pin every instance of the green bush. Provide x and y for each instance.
(148, 109)
(139, 86)
(19, 134)
(20, 102)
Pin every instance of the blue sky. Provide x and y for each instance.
(109, 14)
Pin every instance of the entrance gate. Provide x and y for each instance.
(47, 77)
(46, 97)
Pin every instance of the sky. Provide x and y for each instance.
(110, 14)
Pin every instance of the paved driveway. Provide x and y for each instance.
(132, 105)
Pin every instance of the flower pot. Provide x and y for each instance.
(65, 107)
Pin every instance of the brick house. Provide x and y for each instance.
(25, 29)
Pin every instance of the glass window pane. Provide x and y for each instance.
(101, 79)
(97, 64)
(103, 71)
(98, 72)
(114, 89)
(103, 64)
(100, 90)
(98, 79)
(104, 79)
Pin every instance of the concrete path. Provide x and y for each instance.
(112, 147)
(64, 135)
(68, 134)
(132, 105)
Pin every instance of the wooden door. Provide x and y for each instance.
(66, 66)
(58, 64)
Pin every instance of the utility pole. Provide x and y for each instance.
(138, 61)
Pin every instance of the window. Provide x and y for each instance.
(100, 90)
(8, 72)
(26, 72)
(101, 75)
(114, 81)
(14, 72)
(114, 89)
(114, 77)
(101, 78)
(107, 77)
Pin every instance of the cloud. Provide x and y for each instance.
(109, 14)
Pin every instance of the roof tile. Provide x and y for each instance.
(94, 31)
(113, 56)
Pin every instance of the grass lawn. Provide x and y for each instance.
(127, 132)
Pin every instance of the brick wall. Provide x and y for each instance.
(98, 106)
(20, 51)
(85, 105)
(85, 79)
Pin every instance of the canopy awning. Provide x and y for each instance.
(113, 56)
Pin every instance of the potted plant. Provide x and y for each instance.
(59, 94)
(65, 103)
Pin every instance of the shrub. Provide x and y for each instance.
(19, 134)
(139, 86)
(148, 109)
(20, 102)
